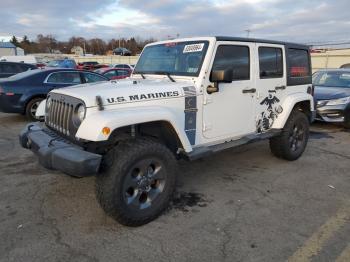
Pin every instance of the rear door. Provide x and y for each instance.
(271, 84)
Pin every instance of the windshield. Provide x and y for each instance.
(182, 58)
(332, 79)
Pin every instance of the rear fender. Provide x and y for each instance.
(288, 105)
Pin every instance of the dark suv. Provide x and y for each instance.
(11, 68)
(122, 51)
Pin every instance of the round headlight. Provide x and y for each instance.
(48, 103)
(81, 113)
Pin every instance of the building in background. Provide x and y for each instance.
(77, 50)
(7, 48)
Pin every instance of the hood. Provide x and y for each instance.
(328, 93)
(126, 91)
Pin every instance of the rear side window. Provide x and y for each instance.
(25, 68)
(110, 74)
(122, 72)
(234, 58)
(270, 62)
(10, 69)
(298, 63)
(299, 67)
(64, 78)
(90, 78)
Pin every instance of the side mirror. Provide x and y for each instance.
(219, 76)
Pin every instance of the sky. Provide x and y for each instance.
(307, 21)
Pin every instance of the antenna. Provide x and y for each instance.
(248, 32)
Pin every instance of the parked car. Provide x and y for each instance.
(128, 66)
(28, 59)
(62, 63)
(91, 66)
(11, 68)
(345, 66)
(332, 94)
(114, 73)
(22, 93)
(122, 51)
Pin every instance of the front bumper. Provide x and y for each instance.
(54, 152)
(331, 114)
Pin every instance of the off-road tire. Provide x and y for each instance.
(281, 145)
(29, 108)
(347, 120)
(119, 165)
(347, 124)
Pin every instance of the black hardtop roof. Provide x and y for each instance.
(255, 40)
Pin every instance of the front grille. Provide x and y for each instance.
(59, 116)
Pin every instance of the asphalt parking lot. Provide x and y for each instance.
(239, 205)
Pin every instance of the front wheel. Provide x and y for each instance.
(31, 109)
(138, 181)
(347, 120)
(291, 143)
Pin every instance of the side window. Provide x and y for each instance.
(90, 78)
(270, 62)
(64, 78)
(235, 58)
(24, 68)
(123, 73)
(9, 69)
(299, 65)
(110, 74)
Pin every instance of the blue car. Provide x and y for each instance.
(22, 93)
(62, 63)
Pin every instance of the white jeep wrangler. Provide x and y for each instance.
(187, 98)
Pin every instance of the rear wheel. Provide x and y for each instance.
(136, 185)
(32, 107)
(291, 143)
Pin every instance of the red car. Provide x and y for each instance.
(114, 73)
(90, 66)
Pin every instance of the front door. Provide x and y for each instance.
(271, 85)
(229, 112)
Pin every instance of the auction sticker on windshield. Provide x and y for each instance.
(193, 48)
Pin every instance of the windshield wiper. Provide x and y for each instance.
(169, 76)
(140, 73)
(165, 73)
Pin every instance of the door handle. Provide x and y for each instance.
(280, 87)
(252, 90)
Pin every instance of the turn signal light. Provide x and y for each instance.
(106, 131)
